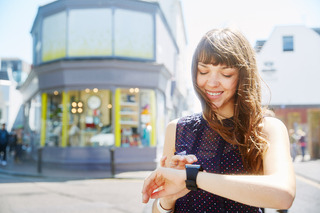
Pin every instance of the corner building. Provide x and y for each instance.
(105, 74)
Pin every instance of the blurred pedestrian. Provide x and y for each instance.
(245, 155)
(293, 144)
(4, 140)
(12, 142)
(303, 144)
(18, 148)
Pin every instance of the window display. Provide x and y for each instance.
(82, 118)
(54, 119)
(129, 119)
(92, 125)
(134, 117)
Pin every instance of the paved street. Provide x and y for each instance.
(28, 194)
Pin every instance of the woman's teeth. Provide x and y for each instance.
(214, 93)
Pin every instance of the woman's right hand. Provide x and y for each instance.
(178, 161)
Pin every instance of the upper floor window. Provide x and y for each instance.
(287, 42)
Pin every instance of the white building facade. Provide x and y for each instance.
(13, 73)
(289, 64)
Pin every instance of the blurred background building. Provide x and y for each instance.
(105, 74)
(289, 64)
(13, 73)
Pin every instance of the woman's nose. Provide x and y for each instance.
(213, 81)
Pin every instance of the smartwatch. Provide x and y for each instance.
(192, 172)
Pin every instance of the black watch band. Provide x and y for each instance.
(192, 172)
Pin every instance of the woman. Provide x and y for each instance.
(245, 155)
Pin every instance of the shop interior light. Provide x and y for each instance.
(136, 90)
(109, 106)
(95, 90)
(77, 107)
(131, 90)
(56, 92)
(87, 90)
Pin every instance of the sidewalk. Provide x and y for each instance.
(307, 169)
(29, 168)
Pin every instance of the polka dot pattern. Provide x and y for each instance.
(194, 136)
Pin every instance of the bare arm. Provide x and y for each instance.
(274, 189)
(168, 152)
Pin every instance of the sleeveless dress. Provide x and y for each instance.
(195, 136)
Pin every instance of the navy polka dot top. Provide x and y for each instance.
(194, 136)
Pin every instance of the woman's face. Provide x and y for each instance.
(219, 84)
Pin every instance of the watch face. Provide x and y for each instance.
(94, 102)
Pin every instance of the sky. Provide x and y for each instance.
(255, 18)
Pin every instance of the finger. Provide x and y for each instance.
(181, 160)
(149, 186)
(145, 198)
(163, 161)
(182, 163)
(191, 159)
(175, 160)
(159, 194)
(147, 192)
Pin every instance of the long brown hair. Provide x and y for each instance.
(231, 48)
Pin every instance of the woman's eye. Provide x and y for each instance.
(227, 76)
(202, 73)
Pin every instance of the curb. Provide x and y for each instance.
(138, 175)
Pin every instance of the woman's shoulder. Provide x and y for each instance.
(271, 125)
(188, 120)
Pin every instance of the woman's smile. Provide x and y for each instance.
(213, 95)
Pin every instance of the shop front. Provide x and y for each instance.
(78, 123)
(101, 81)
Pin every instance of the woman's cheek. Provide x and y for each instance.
(200, 82)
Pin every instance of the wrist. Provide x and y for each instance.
(165, 205)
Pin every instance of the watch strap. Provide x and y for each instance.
(192, 173)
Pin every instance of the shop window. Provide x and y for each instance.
(90, 32)
(90, 118)
(134, 117)
(54, 36)
(140, 43)
(54, 119)
(79, 118)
